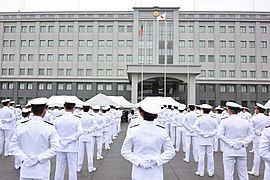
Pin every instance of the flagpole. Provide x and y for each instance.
(165, 59)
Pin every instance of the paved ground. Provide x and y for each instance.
(114, 167)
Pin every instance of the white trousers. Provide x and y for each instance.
(208, 150)
(98, 140)
(89, 151)
(267, 171)
(62, 159)
(167, 128)
(180, 137)
(256, 159)
(241, 166)
(114, 132)
(216, 144)
(172, 133)
(192, 139)
(119, 125)
(5, 138)
(106, 138)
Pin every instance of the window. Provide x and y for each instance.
(41, 86)
(243, 29)
(231, 44)
(108, 72)
(42, 43)
(263, 30)
(109, 29)
(128, 87)
(243, 59)
(29, 86)
(203, 74)
(80, 72)
(231, 29)
(50, 43)
(243, 44)
(243, 74)
(69, 57)
(11, 71)
(264, 89)
(109, 43)
(31, 29)
(68, 72)
(5, 57)
(61, 72)
(89, 43)
(51, 29)
(251, 44)
(182, 29)
(120, 87)
(88, 87)
(252, 74)
(81, 29)
(181, 43)
(42, 57)
(202, 58)
(41, 72)
(23, 43)
(100, 72)
(42, 29)
(69, 43)
(120, 72)
(211, 44)
(190, 43)
(252, 88)
(232, 73)
(100, 87)
(222, 44)
(70, 29)
(121, 43)
(90, 29)
(30, 57)
(61, 43)
(223, 73)
(181, 58)
(69, 86)
(88, 72)
(81, 43)
(4, 71)
(202, 29)
(5, 43)
(231, 58)
(61, 57)
(222, 58)
(231, 88)
(222, 29)
(101, 43)
(129, 58)
(191, 58)
(202, 43)
(190, 29)
(31, 43)
(101, 57)
(24, 29)
(263, 44)
(252, 59)
(121, 29)
(89, 57)
(80, 57)
(108, 87)
(101, 29)
(80, 86)
(210, 73)
(49, 86)
(30, 72)
(60, 86)
(109, 57)
(49, 57)
(264, 74)
(22, 72)
(120, 57)
(244, 88)
(211, 58)
(251, 29)
(22, 85)
(223, 88)
(12, 43)
(6, 29)
(211, 29)
(49, 72)
(264, 59)
(11, 57)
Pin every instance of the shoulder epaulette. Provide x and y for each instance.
(77, 116)
(267, 126)
(24, 121)
(48, 123)
(199, 115)
(134, 125)
(59, 115)
(160, 126)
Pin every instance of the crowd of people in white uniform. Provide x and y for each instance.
(36, 133)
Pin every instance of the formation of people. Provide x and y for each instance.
(36, 133)
(229, 130)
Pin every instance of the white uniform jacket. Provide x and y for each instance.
(88, 124)
(100, 123)
(146, 141)
(35, 138)
(264, 149)
(179, 120)
(206, 127)
(189, 123)
(258, 123)
(107, 121)
(8, 115)
(69, 128)
(235, 130)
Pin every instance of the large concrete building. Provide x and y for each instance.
(206, 57)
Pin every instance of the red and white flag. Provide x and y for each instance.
(162, 17)
(141, 31)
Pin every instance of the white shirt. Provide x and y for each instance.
(68, 127)
(88, 123)
(189, 123)
(206, 125)
(232, 130)
(100, 123)
(8, 115)
(258, 123)
(146, 141)
(35, 138)
(179, 119)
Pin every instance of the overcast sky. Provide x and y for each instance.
(126, 5)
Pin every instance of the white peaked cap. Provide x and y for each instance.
(181, 107)
(5, 100)
(151, 108)
(86, 104)
(261, 106)
(71, 101)
(233, 105)
(206, 106)
(96, 107)
(219, 108)
(12, 102)
(39, 101)
(26, 110)
(104, 108)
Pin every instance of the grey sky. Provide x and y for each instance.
(126, 5)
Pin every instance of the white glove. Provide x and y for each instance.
(3, 121)
(30, 161)
(147, 164)
(206, 135)
(64, 142)
(257, 132)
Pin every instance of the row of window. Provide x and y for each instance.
(222, 29)
(70, 57)
(222, 44)
(231, 73)
(232, 88)
(69, 29)
(223, 58)
(66, 86)
(61, 72)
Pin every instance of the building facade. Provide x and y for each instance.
(205, 57)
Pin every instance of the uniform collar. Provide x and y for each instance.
(37, 118)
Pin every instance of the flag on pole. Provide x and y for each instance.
(162, 17)
(141, 31)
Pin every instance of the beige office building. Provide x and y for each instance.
(206, 57)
